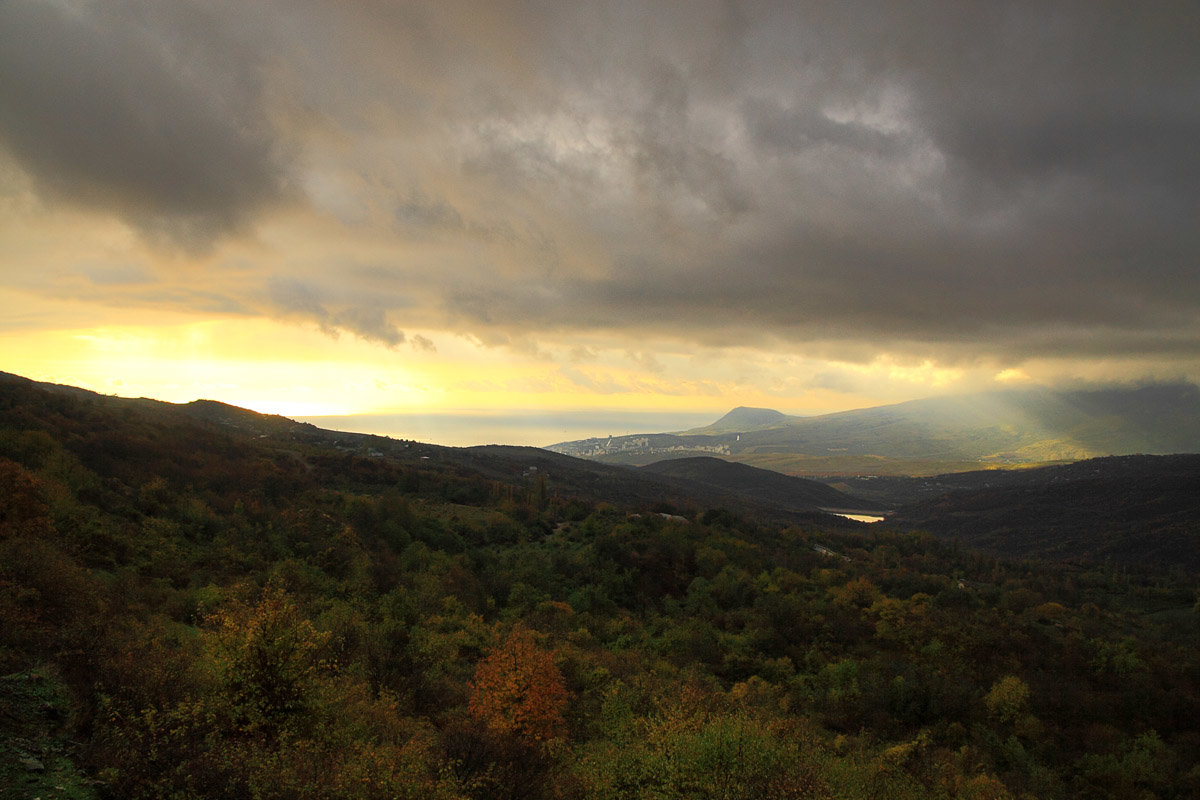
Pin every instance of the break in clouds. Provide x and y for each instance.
(1014, 179)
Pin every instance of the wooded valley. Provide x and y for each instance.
(199, 602)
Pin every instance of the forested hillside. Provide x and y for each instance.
(1131, 511)
(768, 487)
(201, 602)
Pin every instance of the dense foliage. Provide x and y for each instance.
(218, 613)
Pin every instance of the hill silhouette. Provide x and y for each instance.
(1130, 510)
(319, 451)
(763, 485)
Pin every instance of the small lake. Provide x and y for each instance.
(859, 517)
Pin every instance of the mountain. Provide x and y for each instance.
(934, 436)
(743, 419)
(63, 412)
(1129, 510)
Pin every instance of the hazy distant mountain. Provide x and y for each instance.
(932, 436)
(743, 419)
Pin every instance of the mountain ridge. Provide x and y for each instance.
(292, 440)
(936, 435)
(1135, 509)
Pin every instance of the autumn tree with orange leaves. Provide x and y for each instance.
(518, 691)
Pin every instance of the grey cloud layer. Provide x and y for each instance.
(1018, 178)
(150, 111)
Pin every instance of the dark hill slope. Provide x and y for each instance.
(1131, 510)
(622, 485)
(761, 485)
(136, 440)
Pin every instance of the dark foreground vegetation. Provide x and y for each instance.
(198, 602)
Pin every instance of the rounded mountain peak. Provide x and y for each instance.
(746, 418)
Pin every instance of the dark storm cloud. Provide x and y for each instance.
(1016, 179)
(367, 320)
(151, 111)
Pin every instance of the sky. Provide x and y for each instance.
(619, 207)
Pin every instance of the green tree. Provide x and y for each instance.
(1008, 699)
(266, 659)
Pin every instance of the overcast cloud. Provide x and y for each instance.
(951, 180)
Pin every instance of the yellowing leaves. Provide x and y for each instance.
(519, 692)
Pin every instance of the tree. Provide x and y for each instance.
(266, 658)
(1008, 698)
(519, 692)
(23, 509)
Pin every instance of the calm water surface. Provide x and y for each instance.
(532, 428)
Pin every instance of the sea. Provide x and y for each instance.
(527, 427)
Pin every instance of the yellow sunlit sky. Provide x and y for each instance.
(290, 369)
(489, 208)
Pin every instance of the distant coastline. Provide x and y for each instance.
(531, 428)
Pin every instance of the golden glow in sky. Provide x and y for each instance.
(461, 207)
(295, 370)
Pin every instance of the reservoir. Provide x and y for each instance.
(858, 517)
